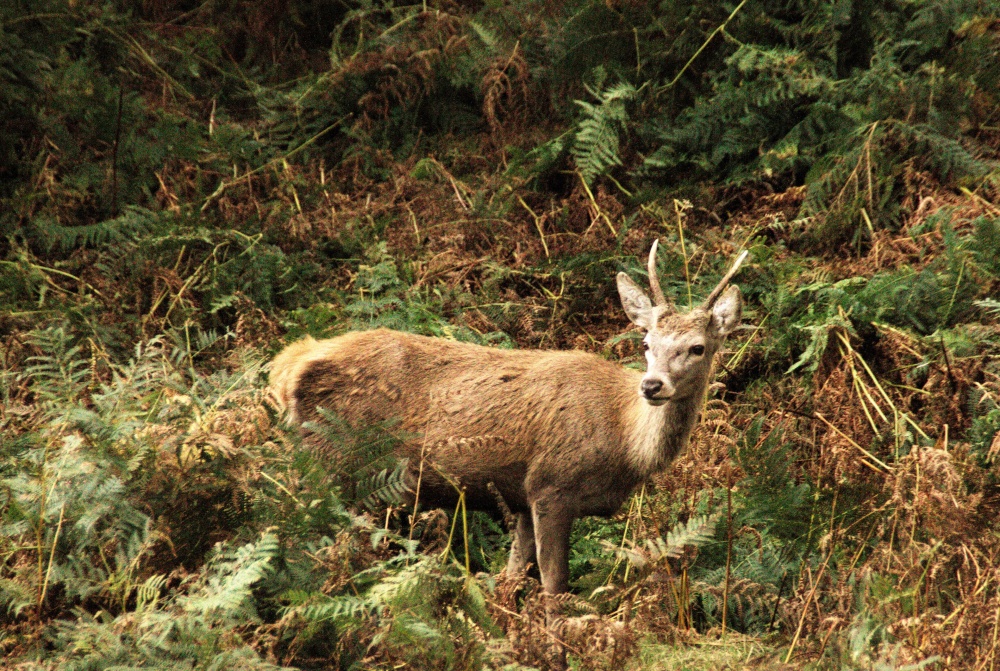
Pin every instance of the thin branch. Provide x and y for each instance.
(711, 37)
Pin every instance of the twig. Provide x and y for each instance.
(547, 630)
(45, 269)
(145, 56)
(114, 150)
(729, 546)
(954, 293)
(711, 37)
(458, 194)
(285, 490)
(223, 185)
(947, 363)
(52, 554)
(993, 646)
(679, 209)
(982, 201)
(808, 601)
(416, 492)
(509, 520)
(538, 224)
(865, 452)
(636, 498)
(598, 213)
(743, 348)
(777, 602)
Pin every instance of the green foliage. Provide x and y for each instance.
(590, 563)
(985, 426)
(767, 94)
(595, 147)
(769, 533)
(72, 498)
(84, 524)
(697, 531)
(840, 96)
(937, 297)
(985, 245)
(74, 510)
(385, 299)
(770, 499)
(362, 460)
(422, 611)
(199, 629)
(129, 226)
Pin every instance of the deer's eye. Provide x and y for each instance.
(645, 346)
(697, 350)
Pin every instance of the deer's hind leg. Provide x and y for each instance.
(522, 547)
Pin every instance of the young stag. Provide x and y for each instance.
(556, 434)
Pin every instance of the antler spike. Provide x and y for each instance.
(654, 280)
(720, 287)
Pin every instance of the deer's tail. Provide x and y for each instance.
(286, 370)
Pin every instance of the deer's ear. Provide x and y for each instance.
(727, 311)
(637, 305)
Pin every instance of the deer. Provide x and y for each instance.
(549, 435)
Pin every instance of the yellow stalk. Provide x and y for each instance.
(597, 208)
(863, 451)
(538, 225)
(679, 210)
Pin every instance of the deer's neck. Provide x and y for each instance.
(660, 433)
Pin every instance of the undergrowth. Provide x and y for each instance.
(187, 188)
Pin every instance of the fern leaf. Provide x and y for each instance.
(226, 591)
(694, 533)
(53, 235)
(598, 135)
(386, 486)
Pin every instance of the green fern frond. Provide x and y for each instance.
(61, 371)
(697, 531)
(986, 245)
(341, 609)
(16, 596)
(385, 487)
(149, 592)
(226, 589)
(53, 235)
(991, 305)
(598, 133)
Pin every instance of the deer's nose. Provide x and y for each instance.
(651, 388)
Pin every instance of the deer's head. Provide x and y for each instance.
(679, 346)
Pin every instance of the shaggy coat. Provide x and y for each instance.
(558, 434)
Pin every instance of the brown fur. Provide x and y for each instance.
(558, 434)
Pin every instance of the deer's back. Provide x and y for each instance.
(520, 419)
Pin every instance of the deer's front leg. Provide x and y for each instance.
(522, 546)
(552, 520)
